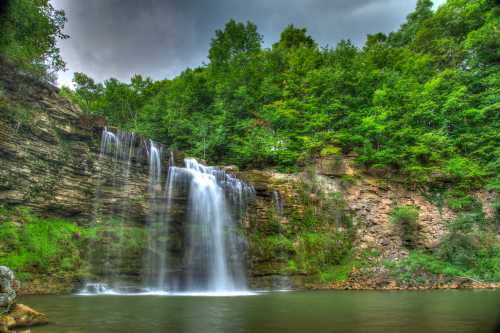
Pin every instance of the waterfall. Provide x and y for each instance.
(156, 261)
(278, 204)
(194, 242)
(115, 157)
(213, 240)
(280, 282)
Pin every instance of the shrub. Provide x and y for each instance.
(406, 217)
(459, 249)
(337, 273)
(472, 246)
(318, 250)
(272, 247)
(418, 265)
(460, 201)
(33, 244)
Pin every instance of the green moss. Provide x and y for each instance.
(292, 266)
(316, 240)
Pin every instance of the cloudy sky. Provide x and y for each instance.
(160, 38)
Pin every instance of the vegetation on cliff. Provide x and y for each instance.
(469, 249)
(40, 247)
(420, 104)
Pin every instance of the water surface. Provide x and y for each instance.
(335, 311)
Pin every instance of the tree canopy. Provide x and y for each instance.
(29, 32)
(422, 101)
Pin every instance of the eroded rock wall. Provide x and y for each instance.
(369, 201)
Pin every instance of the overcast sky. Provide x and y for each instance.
(161, 38)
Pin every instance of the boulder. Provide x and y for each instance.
(24, 316)
(7, 292)
(14, 315)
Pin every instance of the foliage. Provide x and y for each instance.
(422, 101)
(469, 249)
(33, 245)
(317, 242)
(319, 250)
(337, 273)
(420, 267)
(30, 30)
(406, 217)
(272, 247)
(30, 244)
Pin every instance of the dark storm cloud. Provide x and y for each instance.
(160, 38)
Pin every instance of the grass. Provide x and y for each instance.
(420, 267)
(30, 244)
(337, 273)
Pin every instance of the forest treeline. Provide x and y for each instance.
(422, 101)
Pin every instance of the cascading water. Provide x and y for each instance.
(278, 204)
(208, 244)
(280, 282)
(117, 150)
(155, 264)
(213, 243)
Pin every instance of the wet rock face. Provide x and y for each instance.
(368, 199)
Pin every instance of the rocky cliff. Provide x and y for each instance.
(307, 229)
(49, 151)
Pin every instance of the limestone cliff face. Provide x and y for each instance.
(369, 200)
(49, 151)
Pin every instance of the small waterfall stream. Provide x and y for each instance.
(114, 162)
(155, 263)
(280, 282)
(211, 259)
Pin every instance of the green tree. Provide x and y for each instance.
(235, 39)
(30, 30)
